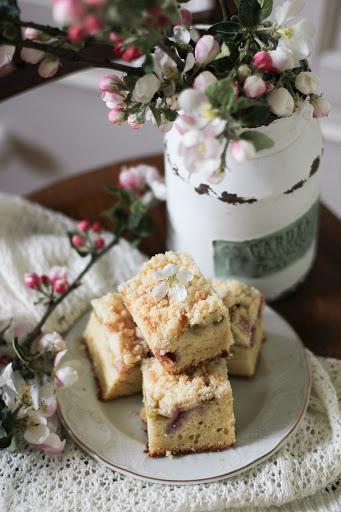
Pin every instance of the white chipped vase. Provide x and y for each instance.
(259, 224)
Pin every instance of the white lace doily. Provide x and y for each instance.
(301, 476)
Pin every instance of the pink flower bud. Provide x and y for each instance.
(67, 12)
(93, 24)
(32, 280)
(76, 33)
(131, 180)
(254, 86)
(57, 273)
(242, 150)
(116, 115)
(31, 34)
(131, 53)
(60, 285)
(31, 55)
(113, 99)
(134, 122)
(78, 241)
(45, 279)
(321, 106)
(281, 102)
(108, 83)
(206, 49)
(83, 225)
(203, 80)
(96, 227)
(99, 243)
(262, 60)
(48, 66)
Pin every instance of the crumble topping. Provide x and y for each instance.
(166, 394)
(245, 305)
(167, 318)
(118, 322)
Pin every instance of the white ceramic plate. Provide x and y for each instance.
(268, 410)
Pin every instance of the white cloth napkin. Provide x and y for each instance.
(302, 476)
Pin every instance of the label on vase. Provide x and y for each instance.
(267, 255)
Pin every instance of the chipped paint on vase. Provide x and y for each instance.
(259, 203)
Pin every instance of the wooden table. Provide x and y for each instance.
(314, 309)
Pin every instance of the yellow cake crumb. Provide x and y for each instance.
(165, 393)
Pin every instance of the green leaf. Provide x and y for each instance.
(130, 81)
(224, 52)
(225, 64)
(250, 112)
(148, 65)
(8, 10)
(156, 114)
(170, 115)
(221, 93)
(266, 8)
(228, 30)
(254, 116)
(249, 13)
(259, 140)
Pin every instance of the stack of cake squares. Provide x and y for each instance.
(168, 332)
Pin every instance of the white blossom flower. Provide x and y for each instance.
(66, 375)
(49, 342)
(164, 65)
(296, 37)
(203, 80)
(283, 59)
(6, 377)
(201, 150)
(52, 444)
(288, 11)
(43, 398)
(172, 282)
(36, 428)
(146, 87)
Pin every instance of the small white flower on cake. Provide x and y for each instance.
(172, 282)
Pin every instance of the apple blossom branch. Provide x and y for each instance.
(31, 336)
(73, 55)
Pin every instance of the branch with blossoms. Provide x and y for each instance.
(215, 87)
(31, 361)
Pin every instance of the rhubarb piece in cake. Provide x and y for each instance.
(180, 316)
(115, 347)
(190, 412)
(245, 305)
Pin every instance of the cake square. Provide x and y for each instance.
(115, 348)
(190, 412)
(180, 316)
(245, 305)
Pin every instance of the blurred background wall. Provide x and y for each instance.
(61, 128)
